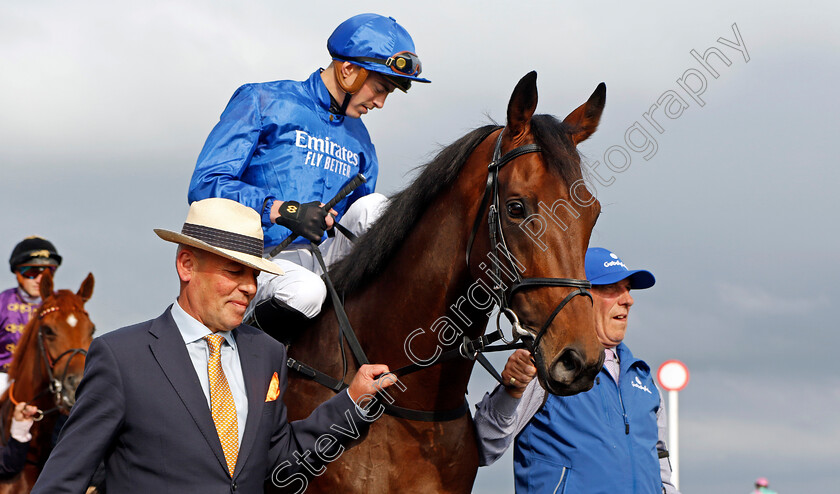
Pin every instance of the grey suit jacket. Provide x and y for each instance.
(140, 407)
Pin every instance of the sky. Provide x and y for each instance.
(727, 198)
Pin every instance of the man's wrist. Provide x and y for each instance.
(361, 411)
(504, 403)
(20, 430)
(268, 212)
(514, 393)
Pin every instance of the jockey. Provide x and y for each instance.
(285, 148)
(29, 260)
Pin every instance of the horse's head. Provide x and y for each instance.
(53, 348)
(545, 218)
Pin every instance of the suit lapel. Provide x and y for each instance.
(171, 354)
(256, 374)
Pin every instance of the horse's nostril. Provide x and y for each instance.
(72, 381)
(571, 360)
(567, 366)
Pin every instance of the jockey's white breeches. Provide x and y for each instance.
(301, 288)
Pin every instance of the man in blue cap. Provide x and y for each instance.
(285, 148)
(609, 439)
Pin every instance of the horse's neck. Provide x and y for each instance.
(417, 290)
(29, 377)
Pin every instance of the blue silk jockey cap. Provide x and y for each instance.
(372, 36)
(605, 268)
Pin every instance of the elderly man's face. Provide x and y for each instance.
(612, 308)
(215, 290)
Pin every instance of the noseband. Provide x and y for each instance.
(498, 245)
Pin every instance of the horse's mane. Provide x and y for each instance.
(25, 342)
(372, 250)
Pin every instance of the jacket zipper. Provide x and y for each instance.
(626, 429)
(562, 475)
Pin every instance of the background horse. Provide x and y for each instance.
(410, 294)
(47, 366)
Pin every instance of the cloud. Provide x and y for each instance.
(759, 301)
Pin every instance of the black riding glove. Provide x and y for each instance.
(306, 220)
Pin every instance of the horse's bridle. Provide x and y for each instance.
(56, 386)
(498, 245)
(470, 349)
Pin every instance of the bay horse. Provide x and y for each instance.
(46, 369)
(410, 294)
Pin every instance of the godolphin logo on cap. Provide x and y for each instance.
(617, 262)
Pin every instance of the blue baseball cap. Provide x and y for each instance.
(605, 268)
(378, 44)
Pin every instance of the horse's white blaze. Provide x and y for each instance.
(72, 321)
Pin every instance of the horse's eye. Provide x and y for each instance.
(48, 331)
(515, 209)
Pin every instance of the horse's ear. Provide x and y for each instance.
(86, 290)
(46, 287)
(584, 120)
(523, 103)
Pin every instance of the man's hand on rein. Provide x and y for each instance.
(518, 372)
(308, 220)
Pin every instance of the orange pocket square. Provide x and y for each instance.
(273, 389)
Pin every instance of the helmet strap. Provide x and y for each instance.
(349, 89)
(357, 84)
(345, 104)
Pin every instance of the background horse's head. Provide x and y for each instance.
(50, 357)
(546, 216)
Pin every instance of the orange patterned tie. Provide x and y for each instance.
(222, 406)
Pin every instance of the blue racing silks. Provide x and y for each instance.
(278, 141)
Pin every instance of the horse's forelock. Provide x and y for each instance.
(558, 151)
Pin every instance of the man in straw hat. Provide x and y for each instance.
(192, 401)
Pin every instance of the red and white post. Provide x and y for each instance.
(673, 376)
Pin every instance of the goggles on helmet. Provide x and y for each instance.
(403, 63)
(32, 272)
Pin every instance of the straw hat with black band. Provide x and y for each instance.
(225, 228)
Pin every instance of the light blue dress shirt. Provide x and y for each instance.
(193, 333)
